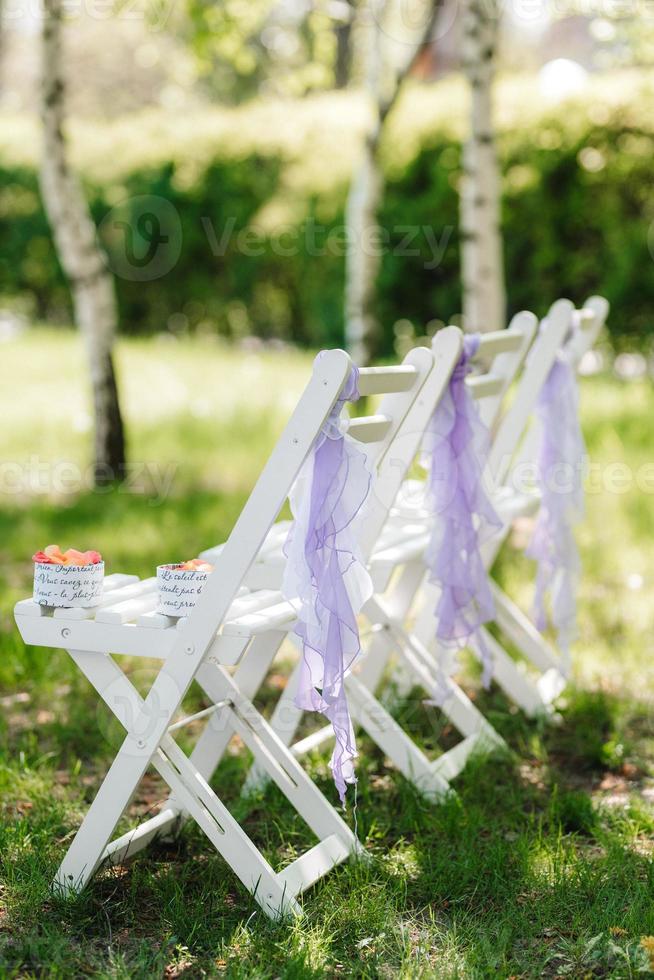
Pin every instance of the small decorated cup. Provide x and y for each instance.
(180, 585)
(70, 579)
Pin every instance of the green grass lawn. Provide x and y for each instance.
(540, 867)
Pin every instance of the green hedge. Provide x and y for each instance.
(578, 211)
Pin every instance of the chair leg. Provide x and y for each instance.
(391, 738)
(285, 721)
(420, 661)
(224, 832)
(521, 631)
(524, 691)
(278, 760)
(274, 892)
(249, 676)
(87, 850)
(512, 679)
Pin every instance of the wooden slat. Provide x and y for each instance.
(111, 598)
(27, 607)
(313, 741)
(130, 843)
(154, 620)
(266, 575)
(274, 617)
(404, 551)
(118, 580)
(253, 602)
(369, 428)
(212, 554)
(386, 380)
(128, 611)
(498, 342)
(485, 385)
(312, 865)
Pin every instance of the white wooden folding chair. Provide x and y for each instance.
(392, 463)
(516, 452)
(514, 448)
(506, 352)
(229, 626)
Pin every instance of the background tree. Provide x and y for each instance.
(80, 255)
(386, 71)
(345, 10)
(482, 263)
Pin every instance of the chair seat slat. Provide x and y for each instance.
(274, 617)
(111, 598)
(129, 610)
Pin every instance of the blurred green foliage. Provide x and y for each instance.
(260, 194)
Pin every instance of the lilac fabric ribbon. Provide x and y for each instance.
(457, 446)
(325, 571)
(559, 468)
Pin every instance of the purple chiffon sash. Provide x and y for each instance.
(457, 444)
(324, 570)
(559, 467)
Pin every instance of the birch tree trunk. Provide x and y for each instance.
(2, 41)
(362, 259)
(343, 35)
(81, 258)
(482, 262)
(364, 253)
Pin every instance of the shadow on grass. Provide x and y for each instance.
(517, 875)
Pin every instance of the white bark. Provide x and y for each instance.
(484, 299)
(81, 258)
(363, 257)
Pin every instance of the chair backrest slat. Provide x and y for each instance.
(485, 385)
(394, 463)
(554, 330)
(384, 380)
(369, 428)
(590, 321)
(395, 404)
(499, 342)
(502, 353)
